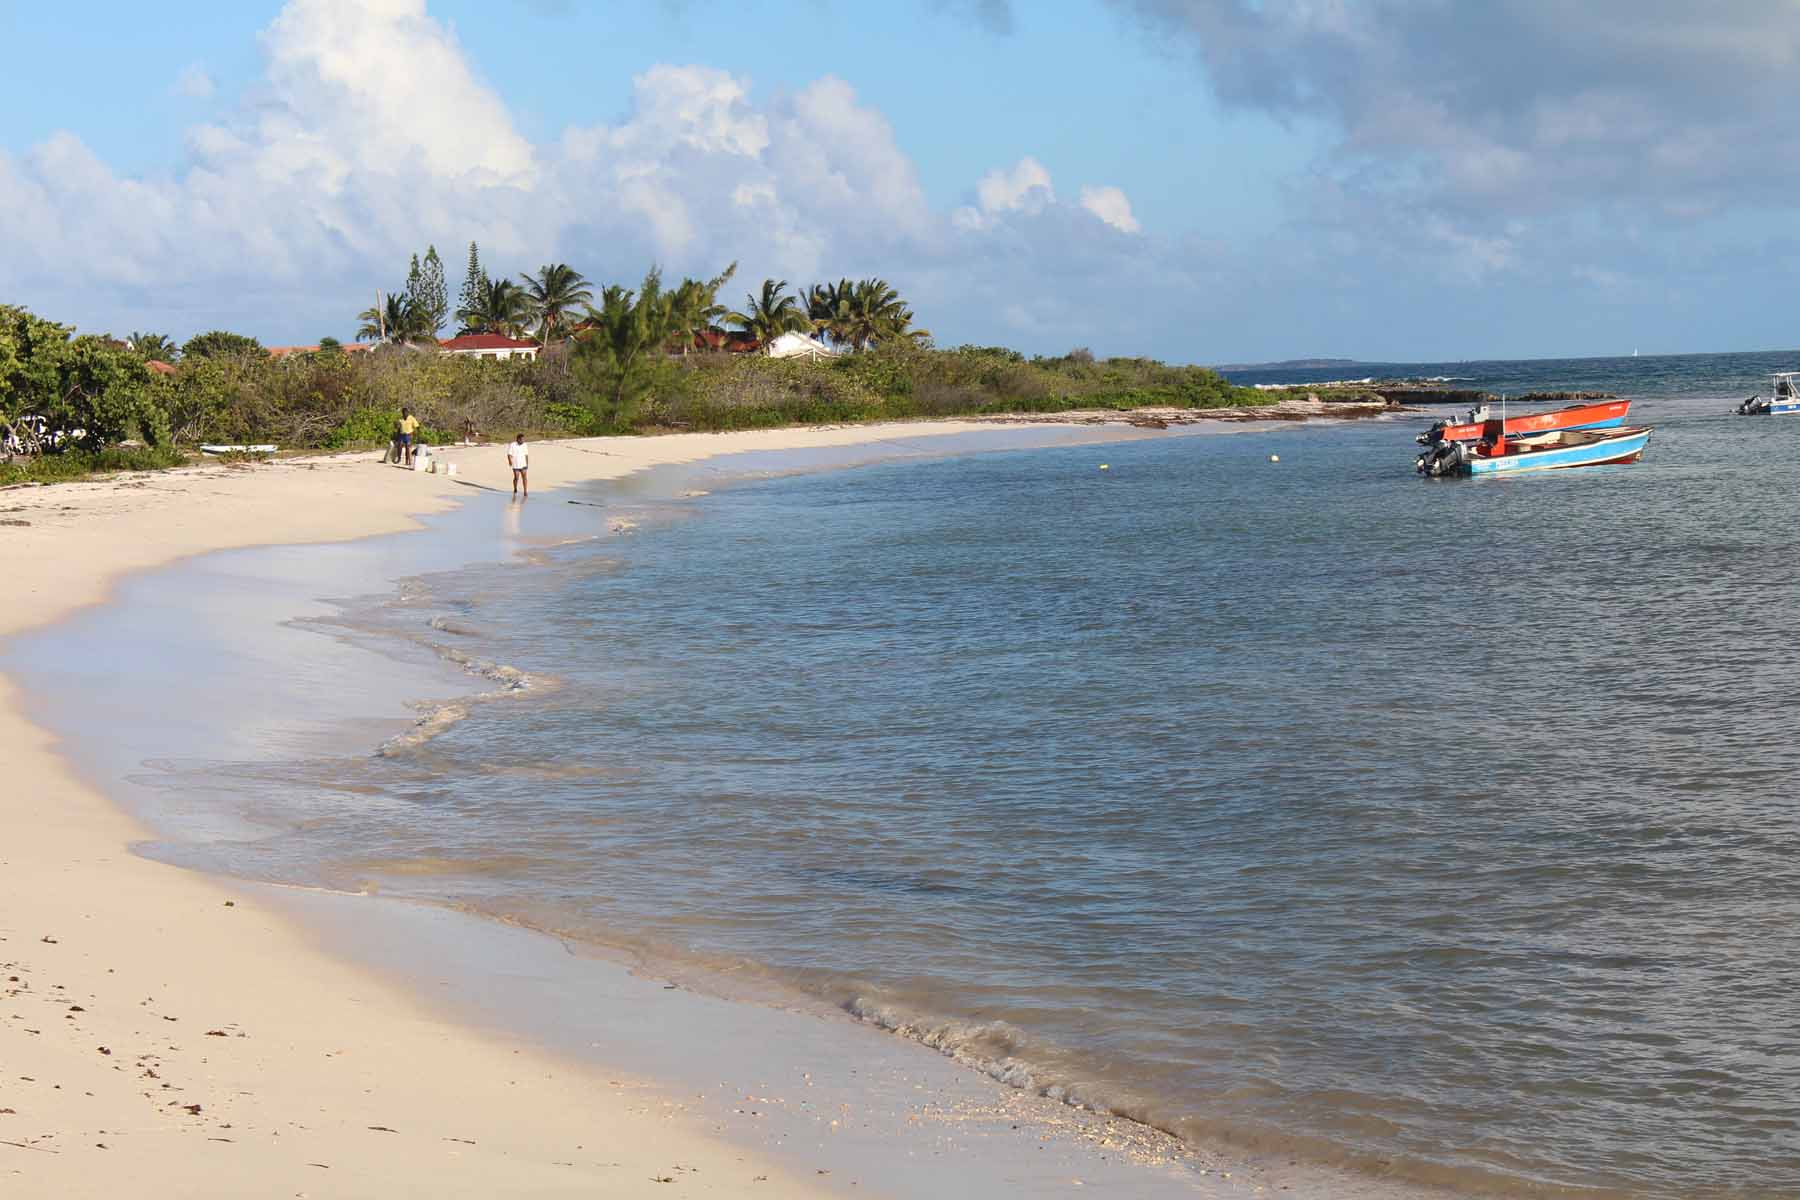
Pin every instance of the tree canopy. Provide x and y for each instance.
(219, 343)
(861, 314)
(153, 346)
(505, 309)
(769, 315)
(473, 295)
(555, 291)
(59, 391)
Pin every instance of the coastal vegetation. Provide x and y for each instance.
(611, 358)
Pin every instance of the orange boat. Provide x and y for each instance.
(1608, 414)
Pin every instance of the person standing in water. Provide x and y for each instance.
(518, 455)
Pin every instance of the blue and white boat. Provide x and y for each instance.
(1784, 397)
(1556, 450)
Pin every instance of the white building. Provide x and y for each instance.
(490, 345)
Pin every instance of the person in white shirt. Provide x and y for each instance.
(518, 454)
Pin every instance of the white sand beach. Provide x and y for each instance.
(162, 1035)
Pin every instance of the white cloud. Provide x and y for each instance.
(1024, 185)
(194, 83)
(379, 85)
(1111, 205)
(1447, 121)
(371, 135)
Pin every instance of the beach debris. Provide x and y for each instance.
(13, 521)
(217, 1033)
(383, 1129)
(192, 1110)
(105, 1050)
(231, 904)
(48, 940)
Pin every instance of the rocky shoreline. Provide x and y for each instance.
(1308, 406)
(1406, 391)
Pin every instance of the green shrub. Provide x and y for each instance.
(364, 427)
(79, 464)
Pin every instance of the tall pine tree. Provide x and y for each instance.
(473, 298)
(430, 294)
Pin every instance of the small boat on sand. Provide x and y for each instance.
(1556, 450)
(1784, 397)
(265, 448)
(1608, 414)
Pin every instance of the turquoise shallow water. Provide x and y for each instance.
(1442, 828)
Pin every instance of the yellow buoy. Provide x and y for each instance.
(1274, 458)
(1106, 466)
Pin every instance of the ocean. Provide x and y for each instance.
(1660, 376)
(1444, 830)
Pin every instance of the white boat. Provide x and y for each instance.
(267, 448)
(1784, 397)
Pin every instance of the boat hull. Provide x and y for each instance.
(1607, 449)
(1608, 415)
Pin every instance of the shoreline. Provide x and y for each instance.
(304, 973)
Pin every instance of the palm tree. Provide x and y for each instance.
(876, 313)
(828, 307)
(398, 320)
(505, 309)
(627, 326)
(155, 346)
(775, 312)
(555, 290)
(694, 307)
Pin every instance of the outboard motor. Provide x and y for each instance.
(1445, 458)
(1752, 407)
(1433, 435)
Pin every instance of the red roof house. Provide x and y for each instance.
(490, 345)
(730, 341)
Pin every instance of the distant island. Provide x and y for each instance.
(1291, 364)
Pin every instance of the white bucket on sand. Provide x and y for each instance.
(421, 459)
(449, 468)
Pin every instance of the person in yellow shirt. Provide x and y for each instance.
(403, 433)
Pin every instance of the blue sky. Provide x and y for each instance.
(1203, 180)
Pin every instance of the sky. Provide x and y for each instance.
(1198, 180)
